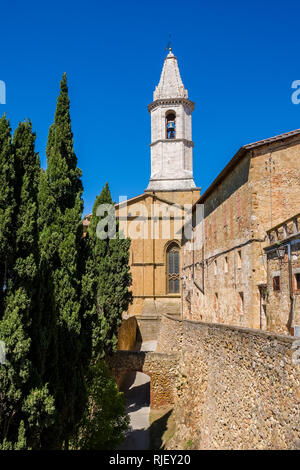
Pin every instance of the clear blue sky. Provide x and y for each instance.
(237, 60)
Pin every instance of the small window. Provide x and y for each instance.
(216, 302)
(241, 303)
(226, 264)
(215, 267)
(239, 259)
(297, 281)
(276, 283)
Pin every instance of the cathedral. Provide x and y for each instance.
(153, 220)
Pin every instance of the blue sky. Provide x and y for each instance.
(237, 60)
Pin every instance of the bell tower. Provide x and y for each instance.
(171, 132)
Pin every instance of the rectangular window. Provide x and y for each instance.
(276, 283)
(297, 281)
(216, 302)
(215, 267)
(239, 259)
(226, 264)
(241, 303)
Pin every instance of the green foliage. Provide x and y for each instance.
(107, 278)
(105, 296)
(39, 409)
(7, 203)
(20, 322)
(60, 241)
(104, 422)
(61, 298)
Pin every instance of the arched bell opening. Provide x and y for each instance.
(170, 125)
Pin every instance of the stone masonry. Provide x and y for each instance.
(160, 367)
(236, 388)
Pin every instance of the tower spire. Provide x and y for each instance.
(170, 83)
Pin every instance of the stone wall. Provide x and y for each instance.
(148, 327)
(236, 388)
(161, 368)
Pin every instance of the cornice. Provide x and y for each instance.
(167, 101)
(187, 142)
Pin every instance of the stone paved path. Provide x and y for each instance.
(137, 393)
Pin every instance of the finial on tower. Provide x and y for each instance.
(169, 48)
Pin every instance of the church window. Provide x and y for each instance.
(173, 269)
(170, 125)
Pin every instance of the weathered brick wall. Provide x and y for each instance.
(236, 388)
(255, 195)
(211, 292)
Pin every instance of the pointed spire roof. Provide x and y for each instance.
(170, 84)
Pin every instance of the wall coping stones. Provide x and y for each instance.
(223, 326)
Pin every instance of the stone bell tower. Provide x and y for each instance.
(171, 132)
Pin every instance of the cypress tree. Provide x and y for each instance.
(60, 240)
(7, 204)
(105, 296)
(27, 406)
(107, 278)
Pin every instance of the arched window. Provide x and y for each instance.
(170, 125)
(173, 278)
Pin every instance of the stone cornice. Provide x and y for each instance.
(187, 142)
(170, 101)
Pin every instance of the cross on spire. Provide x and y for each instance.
(169, 48)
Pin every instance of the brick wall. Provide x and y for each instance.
(221, 278)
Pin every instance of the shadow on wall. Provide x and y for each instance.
(162, 429)
(128, 334)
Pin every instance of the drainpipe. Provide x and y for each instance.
(292, 298)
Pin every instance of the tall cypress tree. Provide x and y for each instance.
(107, 278)
(60, 240)
(105, 295)
(26, 408)
(7, 203)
